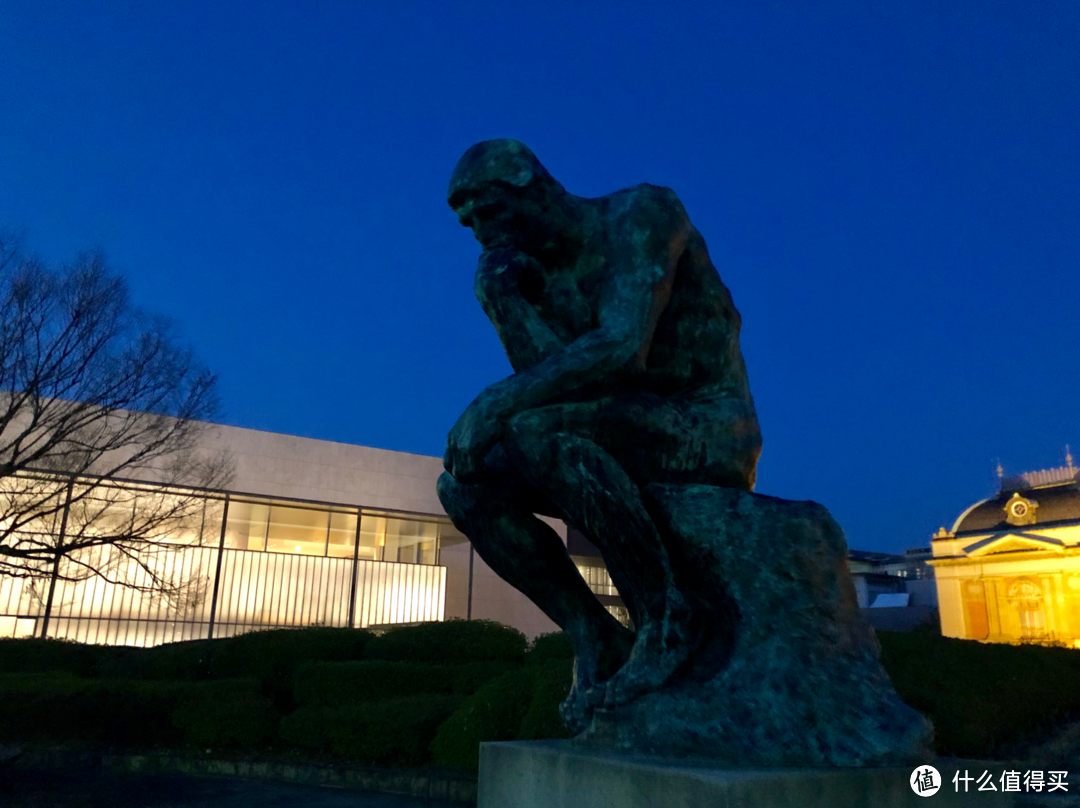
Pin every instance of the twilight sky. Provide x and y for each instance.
(891, 190)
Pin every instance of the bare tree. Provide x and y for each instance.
(93, 393)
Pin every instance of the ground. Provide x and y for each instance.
(21, 788)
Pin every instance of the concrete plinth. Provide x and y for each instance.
(555, 774)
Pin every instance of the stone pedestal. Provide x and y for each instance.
(786, 672)
(556, 774)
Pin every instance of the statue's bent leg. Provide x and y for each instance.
(529, 555)
(597, 495)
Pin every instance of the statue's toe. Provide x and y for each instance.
(576, 711)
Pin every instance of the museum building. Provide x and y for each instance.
(317, 533)
(310, 533)
(1009, 569)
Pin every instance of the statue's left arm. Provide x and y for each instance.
(649, 231)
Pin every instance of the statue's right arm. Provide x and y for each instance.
(526, 338)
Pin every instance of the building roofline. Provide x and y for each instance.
(216, 425)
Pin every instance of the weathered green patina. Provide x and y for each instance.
(629, 390)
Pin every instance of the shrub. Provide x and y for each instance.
(32, 655)
(468, 678)
(327, 684)
(226, 714)
(63, 708)
(330, 683)
(394, 732)
(550, 688)
(493, 713)
(547, 647)
(271, 657)
(190, 660)
(984, 699)
(454, 642)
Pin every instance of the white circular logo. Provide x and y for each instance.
(925, 781)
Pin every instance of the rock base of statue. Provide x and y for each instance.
(543, 774)
(787, 670)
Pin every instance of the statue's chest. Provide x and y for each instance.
(569, 300)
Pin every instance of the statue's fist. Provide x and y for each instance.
(504, 271)
(473, 436)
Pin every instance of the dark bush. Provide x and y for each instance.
(394, 732)
(31, 655)
(326, 684)
(330, 683)
(191, 660)
(61, 708)
(984, 699)
(226, 714)
(551, 686)
(547, 647)
(493, 713)
(470, 677)
(454, 642)
(272, 657)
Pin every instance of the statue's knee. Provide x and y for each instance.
(456, 498)
(521, 434)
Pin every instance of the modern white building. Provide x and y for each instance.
(310, 532)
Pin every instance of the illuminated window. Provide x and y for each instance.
(407, 541)
(342, 535)
(297, 530)
(247, 525)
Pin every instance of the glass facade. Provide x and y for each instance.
(599, 581)
(229, 564)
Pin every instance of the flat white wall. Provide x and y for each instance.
(276, 465)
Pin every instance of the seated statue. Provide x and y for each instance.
(627, 373)
(629, 416)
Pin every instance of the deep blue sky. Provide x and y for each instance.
(890, 190)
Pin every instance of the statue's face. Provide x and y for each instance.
(500, 216)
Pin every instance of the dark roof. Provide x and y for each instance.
(871, 557)
(1057, 503)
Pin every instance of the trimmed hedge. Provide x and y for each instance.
(269, 656)
(985, 700)
(227, 714)
(32, 655)
(394, 732)
(550, 689)
(520, 705)
(493, 713)
(455, 642)
(548, 647)
(330, 683)
(54, 708)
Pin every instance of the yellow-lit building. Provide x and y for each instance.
(1009, 570)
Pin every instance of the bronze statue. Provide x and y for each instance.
(629, 390)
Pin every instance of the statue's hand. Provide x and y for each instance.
(501, 272)
(473, 436)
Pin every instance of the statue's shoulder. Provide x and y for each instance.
(646, 204)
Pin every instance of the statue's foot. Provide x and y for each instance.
(597, 662)
(660, 649)
(575, 710)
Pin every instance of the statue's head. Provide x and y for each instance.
(505, 195)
